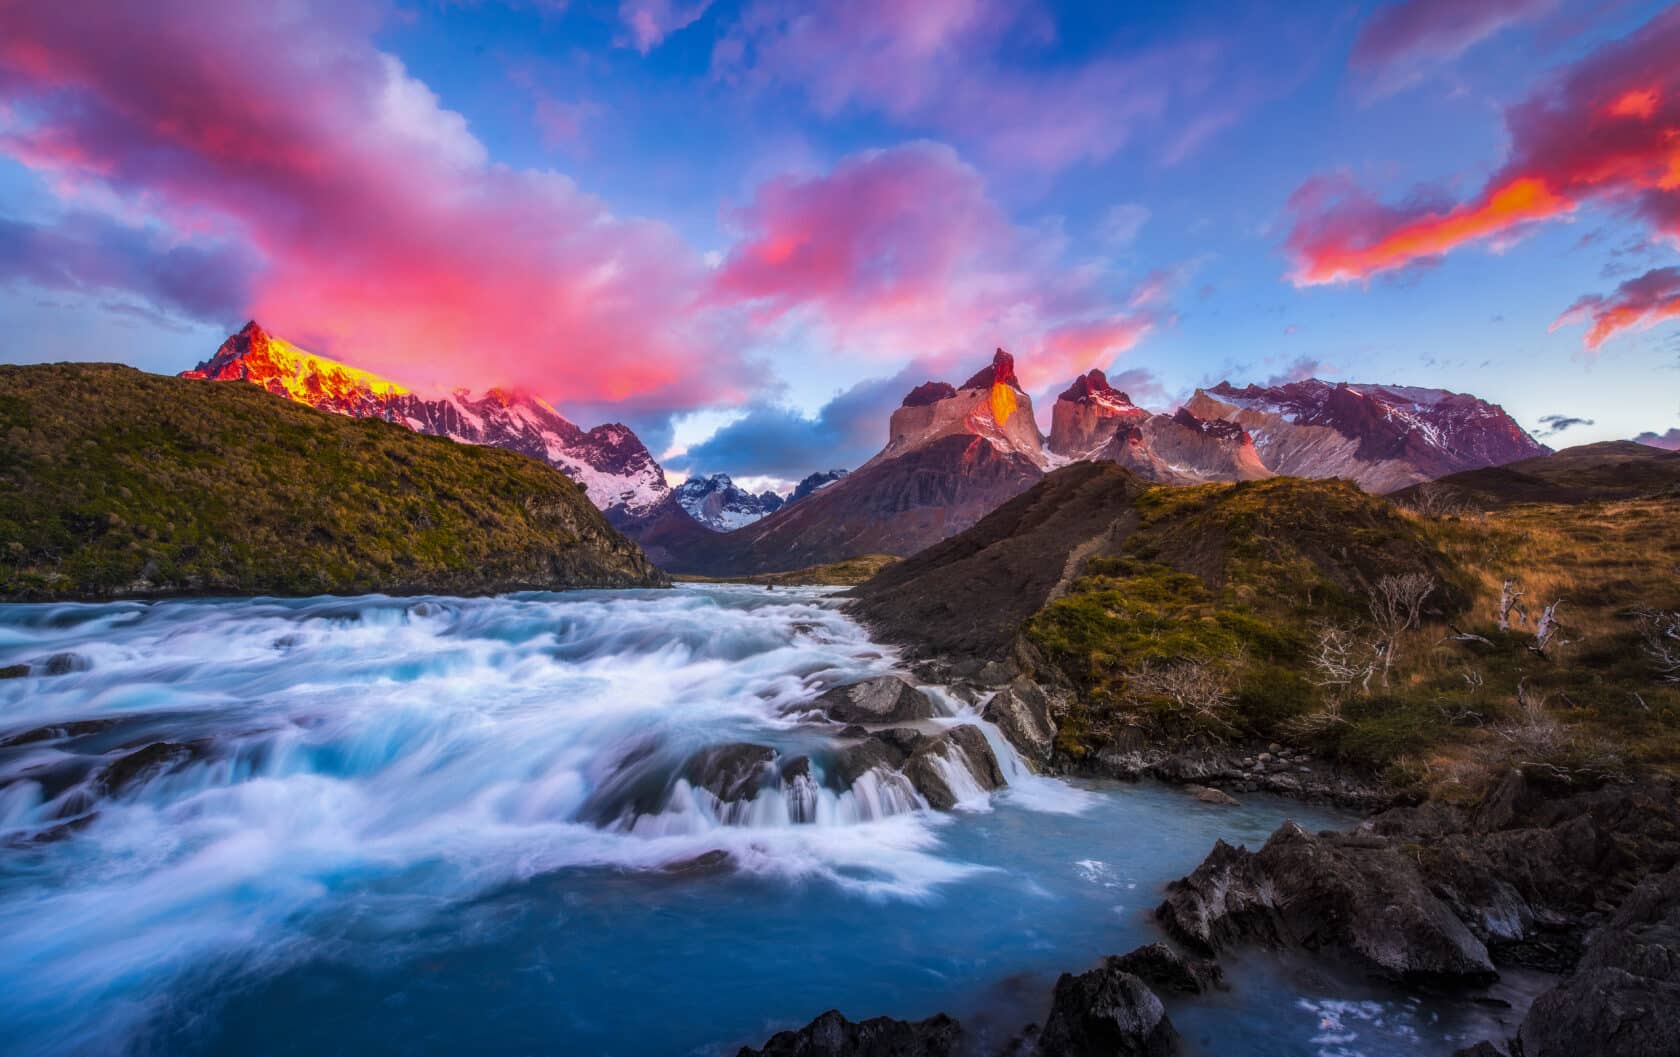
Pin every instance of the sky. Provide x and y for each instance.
(747, 227)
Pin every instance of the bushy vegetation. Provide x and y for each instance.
(1310, 613)
(116, 482)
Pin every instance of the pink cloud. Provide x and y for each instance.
(1606, 131)
(649, 22)
(937, 65)
(1639, 303)
(901, 252)
(384, 231)
(1401, 41)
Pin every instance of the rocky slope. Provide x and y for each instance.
(813, 482)
(1093, 420)
(1611, 470)
(953, 455)
(610, 462)
(121, 484)
(717, 503)
(1383, 437)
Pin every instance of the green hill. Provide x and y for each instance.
(118, 483)
(1312, 614)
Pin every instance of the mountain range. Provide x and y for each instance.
(953, 453)
(618, 473)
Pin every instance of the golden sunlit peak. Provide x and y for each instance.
(284, 369)
(1003, 402)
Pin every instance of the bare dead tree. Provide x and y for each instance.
(1396, 607)
(1661, 632)
(1510, 603)
(1460, 635)
(1343, 660)
(1473, 679)
(1194, 689)
(1435, 500)
(1314, 723)
(1547, 630)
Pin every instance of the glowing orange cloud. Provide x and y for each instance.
(1607, 132)
(1643, 303)
(1433, 234)
(1638, 103)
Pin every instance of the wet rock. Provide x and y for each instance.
(964, 747)
(852, 761)
(1209, 795)
(54, 732)
(1106, 1012)
(64, 664)
(832, 1035)
(904, 739)
(886, 699)
(14, 671)
(713, 861)
(136, 768)
(729, 772)
(1624, 995)
(1354, 893)
(1022, 710)
(1164, 969)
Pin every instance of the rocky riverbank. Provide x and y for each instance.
(1581, 883)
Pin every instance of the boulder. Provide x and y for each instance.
(832, 1035)
(1106, 1012)
(1209, 795)
(885, 699)
(729, 772)
(1355, 893)
(964, 747)
(852, 760)
(1022, 711)
(1164, 969)
(1624, 994)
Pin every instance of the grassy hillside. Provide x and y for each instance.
(1310, 613)
(116, 482)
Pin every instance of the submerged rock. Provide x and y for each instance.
(885, 699)
(1357, 894)
(832, 1035)
(142, 765)
(963, 747)
(1106, 1012)
(64, 664)
(1022, 711)
(1209, 795)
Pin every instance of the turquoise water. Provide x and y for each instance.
(400, 826)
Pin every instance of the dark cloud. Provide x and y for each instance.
(778, 441)
(1669, 440)
(85, 254)
(1555, 424)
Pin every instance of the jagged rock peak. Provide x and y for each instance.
(1000, 372)
(1093, 384)
(1212, 427)
(929, 393)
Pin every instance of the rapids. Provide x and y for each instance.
(438, 825)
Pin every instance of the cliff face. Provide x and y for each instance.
(1383, 437)
(122, 484)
